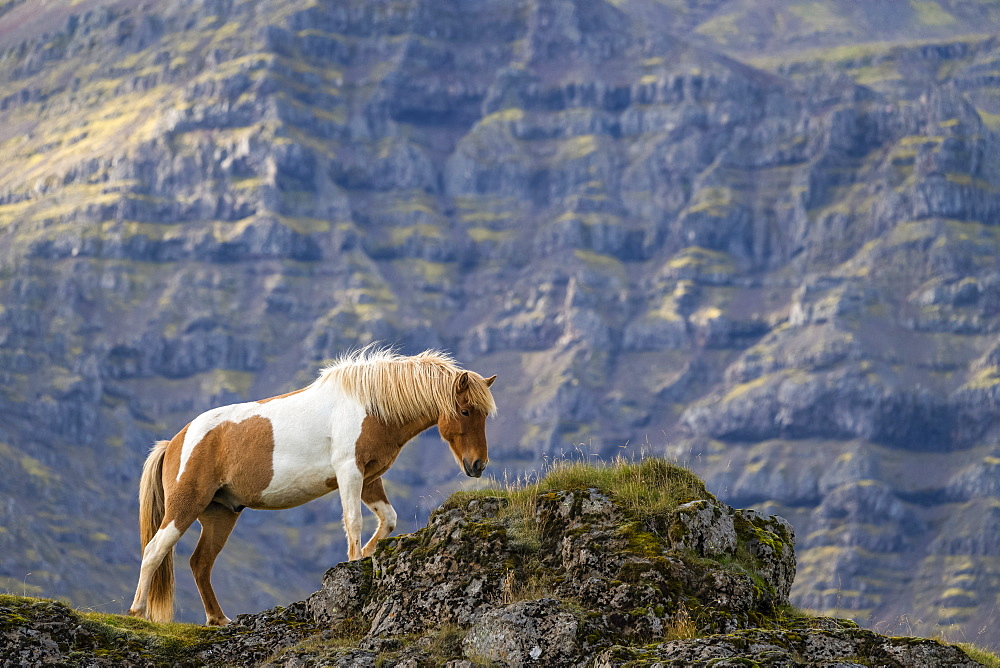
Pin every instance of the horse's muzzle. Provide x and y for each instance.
(475, 469)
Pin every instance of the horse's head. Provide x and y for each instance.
(465, 427)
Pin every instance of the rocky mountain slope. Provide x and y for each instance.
(635, 565)
(759, 237)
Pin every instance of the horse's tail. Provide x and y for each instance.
(160, 607)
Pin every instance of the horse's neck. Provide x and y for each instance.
(409, 431)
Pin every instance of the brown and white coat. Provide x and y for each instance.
(342, 432)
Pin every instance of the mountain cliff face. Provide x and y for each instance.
(761, 238)
(633, 565)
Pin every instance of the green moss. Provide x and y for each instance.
(702, 260)
(576, 148)
(930, 13)
(649, 490)
(979, 654)
(721, 28)
(640, 541)
(347, 634)
(984, 379)
(116, 637)
(510, 115)
(741, 389)
(484, 234)
(991, 120)
(714, 201)
(169, 638)
(601, 262)
(37, 469)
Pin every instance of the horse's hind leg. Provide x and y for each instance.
(156, 551)
(373, 494)
(217, 523)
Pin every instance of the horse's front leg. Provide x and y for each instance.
(350, 484)
(374, 497)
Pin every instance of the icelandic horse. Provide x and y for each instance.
(341, 432)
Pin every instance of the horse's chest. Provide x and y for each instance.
(306, 465)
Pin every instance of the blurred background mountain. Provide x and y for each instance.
(761, 237)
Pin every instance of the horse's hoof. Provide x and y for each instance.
(217, 621)
(136, 613)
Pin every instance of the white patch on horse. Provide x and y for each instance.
(312, 444)
(386, 523)
(157, 548)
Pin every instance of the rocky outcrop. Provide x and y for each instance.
(544, 576)
(465, 564)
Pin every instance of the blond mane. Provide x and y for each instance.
(399, 389)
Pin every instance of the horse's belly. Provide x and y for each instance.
(290, 490)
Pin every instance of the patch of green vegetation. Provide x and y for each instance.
(304, 225)
(484, 234)
(872, 74)
(486, 216)
(649, 490)
(345, 635)
(590, 219)
(930, 13)
(13, 584)
(601, 262)
(37, 469)
(510, 115)
(714, 201)
(991, 120)
(980, 655)
(667, 310)
(702, 260)
(167, 638)
(576, 148)
(114, 637)
(856, 55)
(984, 379)
(400, 235)
(721, 28)
(819, 16)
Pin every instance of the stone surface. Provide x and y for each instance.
(526, 633)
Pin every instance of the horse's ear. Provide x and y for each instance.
(462, 383)
(489, 381)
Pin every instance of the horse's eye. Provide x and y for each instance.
(465, 412)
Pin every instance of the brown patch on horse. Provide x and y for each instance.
(187, 497)
(379, 444)
(281, 396)
(373, 491)
(248, 452)
(232, 463)
(331, 483)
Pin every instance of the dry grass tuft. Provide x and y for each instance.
(681, 626)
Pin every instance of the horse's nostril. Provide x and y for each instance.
(474, 469)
